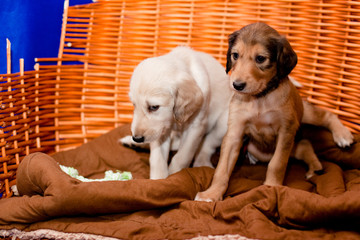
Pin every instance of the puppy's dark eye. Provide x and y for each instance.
(260, 59)
(153, 108)
(235, 56)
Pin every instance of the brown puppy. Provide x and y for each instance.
(267, 108)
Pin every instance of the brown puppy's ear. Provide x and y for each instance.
(286, 59)
(232, 39)
(188, 100)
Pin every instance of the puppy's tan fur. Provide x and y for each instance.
(267, 108)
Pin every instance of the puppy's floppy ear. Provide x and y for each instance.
(188, 100)
(232, 39)
(286, 59)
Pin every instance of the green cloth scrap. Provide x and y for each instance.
(109, 175)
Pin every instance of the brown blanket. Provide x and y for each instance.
(327, 206)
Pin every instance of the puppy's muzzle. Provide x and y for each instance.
(239, 86)
(138, 139)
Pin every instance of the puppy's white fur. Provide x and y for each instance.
(180, 97)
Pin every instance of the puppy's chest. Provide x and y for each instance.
(264, 124)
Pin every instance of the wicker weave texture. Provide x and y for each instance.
(83, 92)
(325, 35)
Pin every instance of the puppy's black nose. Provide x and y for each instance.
(138, 139)
(239, 85)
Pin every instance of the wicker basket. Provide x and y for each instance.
(83, 92)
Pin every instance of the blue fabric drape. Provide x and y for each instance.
(34, 29)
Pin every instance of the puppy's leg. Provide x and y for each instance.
(212, 140)
(175, 140)
(320, 117)
(203, 158)
(190, 141)
(229, 153)
(159, 154)
(277, 166)
(303, 150)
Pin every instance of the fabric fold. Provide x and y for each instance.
(49, 192)
(324, 207)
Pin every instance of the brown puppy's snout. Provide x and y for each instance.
(239, 85)
(138, 139)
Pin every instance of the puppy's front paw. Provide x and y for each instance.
(343, 138)
(207, 196)
(201, 199)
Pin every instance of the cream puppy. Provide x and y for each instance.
(180, 102)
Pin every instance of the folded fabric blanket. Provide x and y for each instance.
(327, 206)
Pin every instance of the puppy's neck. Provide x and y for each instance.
(272, 85)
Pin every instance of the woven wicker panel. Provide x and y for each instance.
(61, 105)
(27, 121)
(325, 36)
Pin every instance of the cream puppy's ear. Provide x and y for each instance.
(188, 100)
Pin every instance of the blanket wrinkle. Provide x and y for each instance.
(241, 180)
(263, 203)
(254, 212)
(200, 181)
(325, 207)
(312, 210)
(103, 153)
(64, 196)
(331, 182)
(352, 178)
